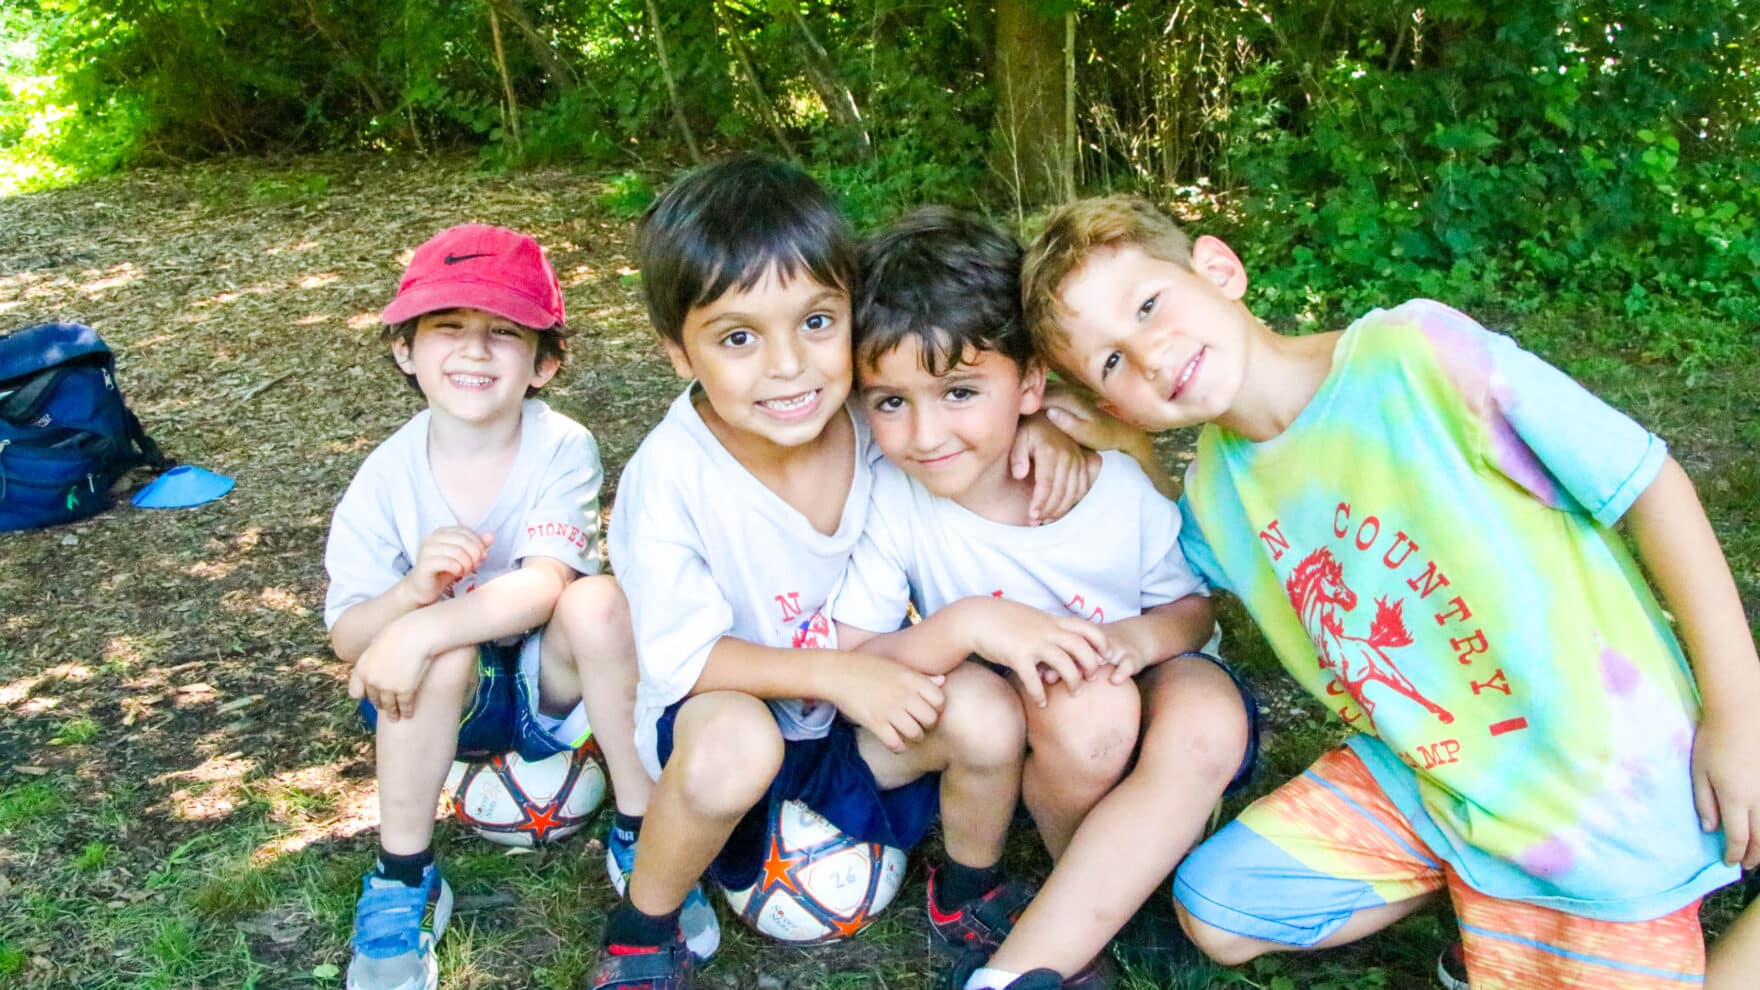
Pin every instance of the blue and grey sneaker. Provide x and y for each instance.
(696, 920)
(395, 928)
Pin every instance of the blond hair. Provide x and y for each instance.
(1073, 232)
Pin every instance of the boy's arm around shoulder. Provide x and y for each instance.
(1075, 414)
(1677, 546)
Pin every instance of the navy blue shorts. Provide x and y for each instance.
(503, 716)
(829, 776)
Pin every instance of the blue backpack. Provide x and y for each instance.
(65, 434)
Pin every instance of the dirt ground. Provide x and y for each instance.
(243, 306)
(168, 671)
(246, 336)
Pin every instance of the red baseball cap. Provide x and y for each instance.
(481, 267)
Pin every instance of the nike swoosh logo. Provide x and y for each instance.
(453, 259)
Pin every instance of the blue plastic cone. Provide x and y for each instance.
(182, 487)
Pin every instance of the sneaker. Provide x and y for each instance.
(1451, 968)
(395, 928)
(970, 962)
(702, 931)
(980, 924)
(666, 967)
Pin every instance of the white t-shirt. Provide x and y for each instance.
(704, 550)
(547, 507)
(1112, 556)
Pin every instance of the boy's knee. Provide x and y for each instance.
(1224, 948)
(728, 758)
(452, 674)
(1200, 728)
(1088, 738)
(982, 721)
(593, 614)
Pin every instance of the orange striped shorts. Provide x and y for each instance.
(1300, 861)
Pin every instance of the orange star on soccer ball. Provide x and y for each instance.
(847, 928)
(779, 869)
(540, 822)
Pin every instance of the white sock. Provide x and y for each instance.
(990, 979)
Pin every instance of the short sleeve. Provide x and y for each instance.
(1195, 547)
(1596, 454)
(1166, 576)
(875, 592)
(361, 555)
(676, 609)
(563, 521)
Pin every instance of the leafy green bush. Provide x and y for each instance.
(626, 195)
(1575, 152)
(1547, 152)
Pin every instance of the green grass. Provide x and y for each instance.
(114, 887)
(12, 959)
(30, 803)
(76, 732)
(95, 856)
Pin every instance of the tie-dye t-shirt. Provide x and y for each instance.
(1427, 549)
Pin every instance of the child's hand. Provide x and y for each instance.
(446, 555)
(1073, 413)
(1076, 415)
(1062, 471)
(389, 673)
(1126, 652)
(1726, 783)
(1024, 639)
(897, 704)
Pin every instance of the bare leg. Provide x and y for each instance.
(1734, 961)
(590, 656)
(977, 747)
(1193, 740)
(726, 751)
(415, 752)
(1080, 748)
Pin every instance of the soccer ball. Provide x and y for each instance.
(818, 884)
(518, 802)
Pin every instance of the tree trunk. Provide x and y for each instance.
(826, 80)
(1030, 147)
(766, 109)
(511, 118)
(338, 40)
(560, 72)
(678, 114)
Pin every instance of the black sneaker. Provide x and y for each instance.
(980, 924)
(970, 962)
(664, 967)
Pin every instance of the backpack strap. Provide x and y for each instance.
(142, 449)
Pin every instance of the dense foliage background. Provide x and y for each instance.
(1484, 151)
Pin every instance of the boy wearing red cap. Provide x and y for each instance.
(453, 561)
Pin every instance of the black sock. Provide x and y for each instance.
(625, 828)
(627, 925)
(956, 884)
(406, 870)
